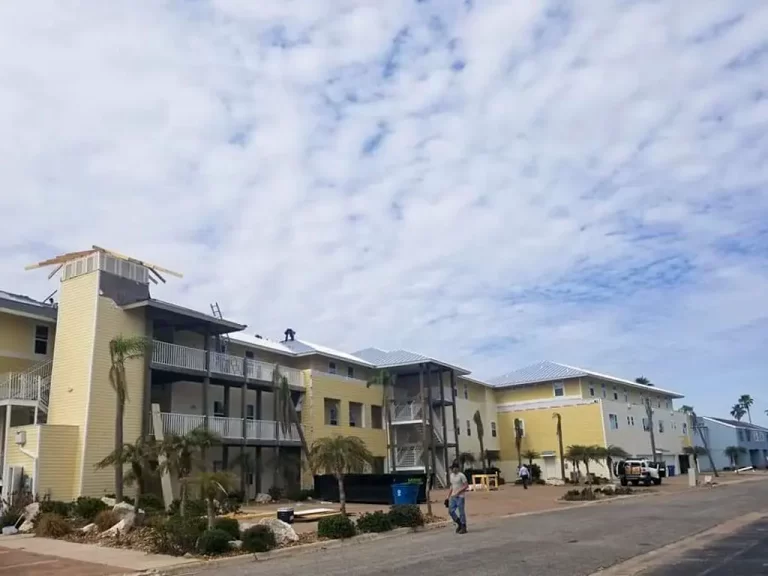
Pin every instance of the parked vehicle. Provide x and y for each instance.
(637, 471)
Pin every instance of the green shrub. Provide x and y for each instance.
(87, 508)
(176, 535)
(375, 522)
(228, 525)
(191, 508)
(299, 495)
(52, 525)
(10, 517)
(106, 519)
(56, 507)
(406, 516)
(232, 504)
(335, 527)
(579, 495)
(213, 542)
(276, 493)
(151, 503)
(258, 538)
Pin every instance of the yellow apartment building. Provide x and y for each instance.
(57, 406)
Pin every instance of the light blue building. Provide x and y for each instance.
(721, 433)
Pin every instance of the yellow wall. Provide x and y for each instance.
(17, 340)
(112, 322)
(72, 361)
(15, 456)
(541, 391)
(56, 468)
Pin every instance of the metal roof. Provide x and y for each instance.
(224, 325)
(547, 371)
(26, 306)
(736, 423)
(390, 359)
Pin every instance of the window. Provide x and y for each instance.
(626, 396)
(558, 389)
(646, 427)
(632, 420)
(332, 367)
(669, 404)
(466, 391)
(604, 392)
(457, 427)
(41, 340)
(331, 406)
(218, 408)
(469, 429)
(615, 393)
(493, 429)
(659, 403)
(376, 418)
(356, 415)
(661, 426)
(591, 390)
(350, 372)
(614, 421)
(250, 412)
(249, 354)
(685, 428)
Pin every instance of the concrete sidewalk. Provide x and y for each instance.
(120, 560)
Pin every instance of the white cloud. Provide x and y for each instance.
(584, 186)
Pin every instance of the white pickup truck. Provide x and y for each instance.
(636, 471)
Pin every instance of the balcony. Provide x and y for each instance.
(165, 354)
(406, 412)
(229, 428)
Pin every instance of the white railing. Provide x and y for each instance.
(178, 356)
(407, 412)
(167, 354)
(447, 395)
(228, 428)
(34, 384)
(409, 457)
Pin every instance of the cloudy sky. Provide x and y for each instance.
(492, 183)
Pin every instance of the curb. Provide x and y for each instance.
(197, 565)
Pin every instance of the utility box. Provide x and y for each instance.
(21, 437)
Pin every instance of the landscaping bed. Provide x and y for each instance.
(599, 493)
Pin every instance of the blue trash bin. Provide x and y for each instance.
(671, 470)
(405, 493)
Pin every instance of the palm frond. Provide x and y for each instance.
(340, 455)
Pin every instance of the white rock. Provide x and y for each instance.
(555, 482)
(236, 544)
(90, 528)
(263, 498)
(109, 501)
(10, 530)
(121, 527)
(284, 532)
(31, 511)
(26, 527)
(609, 489)
(124, 508)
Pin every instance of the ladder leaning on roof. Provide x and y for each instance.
(216, 310)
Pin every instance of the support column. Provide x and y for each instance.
(455, 418)
(258, 465)
(431, 420)
(206, 385)
(445, 426)
(243, 399)
(424, 429)
(146, 405)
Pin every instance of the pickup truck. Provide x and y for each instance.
(636, 471)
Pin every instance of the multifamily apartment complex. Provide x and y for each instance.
(57, 406)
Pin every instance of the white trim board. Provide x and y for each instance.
(547, 403)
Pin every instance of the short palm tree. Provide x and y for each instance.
(141, 457)
(733, 453)
(213, 485)
(738, 411)
(466, 458)
(519, 440)
(575, 454)
(531, 455)
(644, 381)
(340, 455)
(747, 401)
(611, 453)
(122, 349)
(478, 419)
(492, 456)
(181, 455)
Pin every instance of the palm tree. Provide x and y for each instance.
(141, 457)
(182, 454)
(285, 416)
(575, 454)
(590, 454)
(340, 455)
(387, 382)
(651, 431)
(643, 381)
(747, 401)
(122, 349)
(492, 456)
(733, 453)
(609, 454)
(213, 484)
(519, 440)
(480, 435)
(559, 431)
(738, 411)
(531, 455)
(697, 426)
(466, 458)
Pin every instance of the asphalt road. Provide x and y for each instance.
(574, 542)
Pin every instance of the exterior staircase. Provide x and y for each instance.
(29, 388)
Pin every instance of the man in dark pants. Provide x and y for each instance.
(525, 476)
(456, 508)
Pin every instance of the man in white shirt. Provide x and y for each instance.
(456, 508)
(525, 476)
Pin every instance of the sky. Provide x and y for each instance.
(490, 183)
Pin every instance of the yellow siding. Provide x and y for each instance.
(326, 386)
(56, 468)
(17, 352)
(15, 456)
(541, 391)
(73, 357)
(112, 322)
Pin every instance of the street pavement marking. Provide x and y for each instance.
(25, 564)
(662, 556)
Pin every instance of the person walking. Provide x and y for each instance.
(525, 476)
(456, 504)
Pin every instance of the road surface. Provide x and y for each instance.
(577, 541)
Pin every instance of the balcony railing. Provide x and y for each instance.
(34, 384)
(229, 428)
(406, 412)
(175, 356)
(409, 457)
